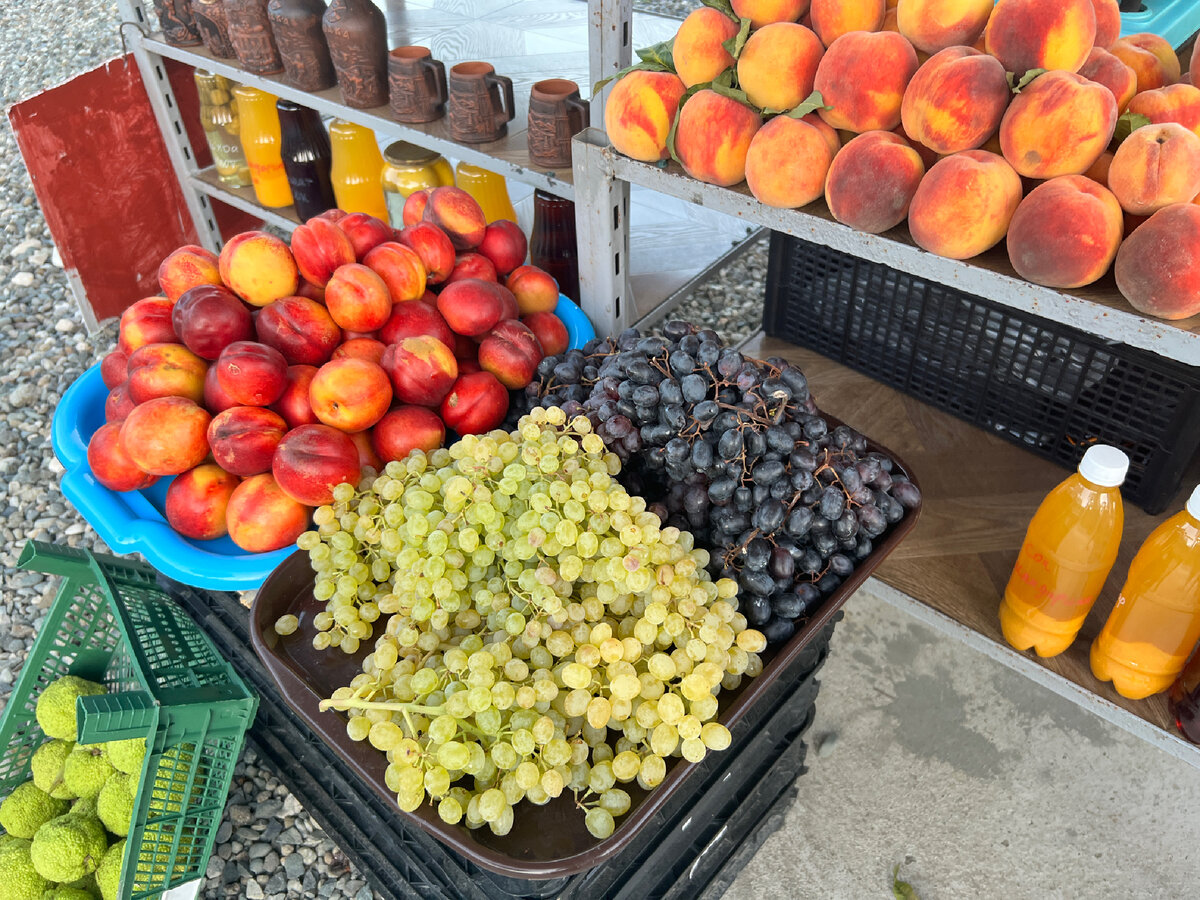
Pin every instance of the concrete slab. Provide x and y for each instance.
(979, 782)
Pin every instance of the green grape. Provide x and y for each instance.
(599, 822)
(450, 810)
(615, 801)
(358, 728)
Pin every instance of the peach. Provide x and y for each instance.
(118, 404)
(862, 76)
(1156, 166)
(261, 517)
(111, 465)
(293, 403)
(713, 136)
(313, 459)
(165, 370)
(366, 232)
(955, 101)
(357, 298)
(872, 181)
(311, 291)
(1065, 233)
(547, 328)
(640, 111)
(350, 394)
(471, 307)
(319, 247)
(535, 289)
(787, 162)
(258, 267)
(1098, 171)
(505, 245)
(964, 203)
(833, 18)
(197, 501)
(1178, 103)
(209, 318)
(146, 322)
(413, 319)
(367, 457)
(1151, 57)
(511, 352)
(458, 215)
(299, 328)
(698, 52)
(1104, 68)
(243, 439)
(408, 428)
(473, 265)
(1108, 22)
(1158, 266)
(1034, 34)
(215, 398)
(252, 374)
(114, 368)
(432, 245)
(166, 436)
(361, 348)
(777, 66)
(400, 268)
(934, 25)
(891, 22)
(414, 206)
(476, 404)
(421, 369)
(832, 138)
(1058, 125)
(767, 12)
(186, 268)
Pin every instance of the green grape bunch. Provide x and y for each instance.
(542, 632)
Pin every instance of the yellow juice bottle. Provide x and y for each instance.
(259, 125)
(357, 169)
(1069, 548)
(1156, 622)
(489, 191)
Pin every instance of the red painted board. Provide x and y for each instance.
(105, 184)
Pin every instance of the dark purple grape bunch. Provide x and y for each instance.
(734, 450)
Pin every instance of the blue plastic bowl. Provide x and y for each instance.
(133, 521)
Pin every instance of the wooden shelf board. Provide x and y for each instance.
(979, 494)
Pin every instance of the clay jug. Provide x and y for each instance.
(251, 36)
(356, 32)
(297, 28)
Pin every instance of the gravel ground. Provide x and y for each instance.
(267, 846)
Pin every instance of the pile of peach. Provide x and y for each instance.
(266, 376)
(971, 120)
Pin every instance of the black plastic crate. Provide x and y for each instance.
(1051, 388)
(733, 801)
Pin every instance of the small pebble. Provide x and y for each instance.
(826, 744)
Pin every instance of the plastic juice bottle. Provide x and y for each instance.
(489, 191)
(1156, 622)
(357, 169)
(262, 145)
(1069, 548)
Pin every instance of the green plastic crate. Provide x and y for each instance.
(111, 623)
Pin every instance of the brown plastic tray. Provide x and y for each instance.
(545, 842)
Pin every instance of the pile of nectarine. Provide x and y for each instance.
(267, 375)
(974, 120)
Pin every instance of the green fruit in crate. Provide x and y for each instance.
(27, 809)
(20, 879)
(85, 807)
(46, 767)
(12, 842)
(87, 884)
(67, 893)
(108, 875)
(68, 848)
(115, 804)
(127, 756)
(86, 770)
(56, 705)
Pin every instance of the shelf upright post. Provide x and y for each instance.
(602, 234)
(610, 46)
(170, 123)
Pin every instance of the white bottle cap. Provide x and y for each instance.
(1104, 466)
(1193, 504)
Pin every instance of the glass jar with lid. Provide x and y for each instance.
(407, 169)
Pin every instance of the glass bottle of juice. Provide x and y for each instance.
(1156, 622)
(407, 169)
(306, 159)
(262, 145)
(489, 191)
(552, 243)
(357, 169)
(1183, 700)
(1069, 548)
(219, 119)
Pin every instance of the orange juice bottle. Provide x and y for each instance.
(1069, 548)
(489, 190)
(1156, 622)
(357, 169)
(261, 145)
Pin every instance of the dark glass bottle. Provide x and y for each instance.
(306, 158)
(1183, 700)
(552, 244)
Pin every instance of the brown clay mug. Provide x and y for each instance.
(480, 105)
(416, 85)
(556, 114)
